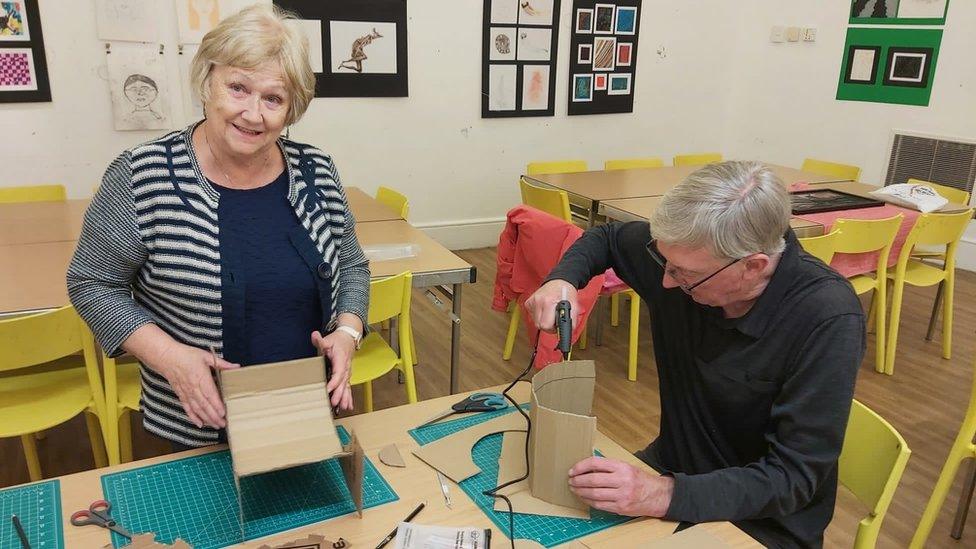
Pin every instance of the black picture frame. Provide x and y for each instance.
(604, 100)
(520, 65)
(874, 65)
(35, 44)
(828, 200)
(925, 66)
(330, 84)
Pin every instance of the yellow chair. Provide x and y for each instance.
(632, 163)
(696, 159)
(870, 466)
(931, 229)
(388, 298)
(952, 194)
(123, 388)
(33, 193)
(822, 247)
(552, 201)
(558, 166)
(870, 235)
(843, 172)
(36, 399)
(962, 449)
(393, 200)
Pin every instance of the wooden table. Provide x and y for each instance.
(434, 266)
(365, 208)
(639, 209)
(587, 189)
(32, 276)
(415, 483)
(34, 222)
(864, 189)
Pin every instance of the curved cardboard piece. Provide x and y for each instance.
(451, 455)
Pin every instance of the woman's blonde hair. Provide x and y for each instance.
(251, 37)
(734, 209)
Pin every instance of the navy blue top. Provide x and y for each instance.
(272, 297)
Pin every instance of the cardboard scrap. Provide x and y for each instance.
(148, 541)
(563, 429)
(278, 416)
(311, 542)
(451, 455)
(390, 455)
(696, 537)
(352, 469)
(511, 465)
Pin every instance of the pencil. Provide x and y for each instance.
(20, 532)
(389, 537)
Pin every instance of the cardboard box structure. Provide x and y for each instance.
(562, 428)
(279, 416)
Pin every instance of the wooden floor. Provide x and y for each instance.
(925, 399)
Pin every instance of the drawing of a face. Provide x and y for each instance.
(140, 90)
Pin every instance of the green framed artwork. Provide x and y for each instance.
(884, 65)
(898, 12)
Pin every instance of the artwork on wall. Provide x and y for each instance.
(140, 92)
(192, 104)
(519, 57)
(195, 18)
(126, 20)
(889, 65)
(23, 65)
(362, 46)
(899, 12)
(604, 60)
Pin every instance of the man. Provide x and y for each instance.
(757, 346)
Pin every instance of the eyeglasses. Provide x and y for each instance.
(674, 273)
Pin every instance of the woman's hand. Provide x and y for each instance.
(187, 369)
(338, 348)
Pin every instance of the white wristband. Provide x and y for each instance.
(350, 331)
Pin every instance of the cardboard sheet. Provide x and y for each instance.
(696, 537)
(511, 465)
(390, 455)
(278, 416)
(352, 469)
(451, 455)
(313, 541)
(148, 541)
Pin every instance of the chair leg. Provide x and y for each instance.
(880, 307)
(965, 499)
(413, 348)
(963, 448)
(936, 305)
(125, 436)
(947, 316)
(368, 396)
(513, 325)
(872, 310)
(601, 317)
(893, 326)
(30, 454)
(97, 441)
(615, 310)
(40, 435)
(582, 338)
(632, 344)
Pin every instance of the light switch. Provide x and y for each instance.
(793, 34)
(810, 34)
(777, 34)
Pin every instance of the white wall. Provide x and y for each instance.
(708, 79)
(458, 169)
(781, 100)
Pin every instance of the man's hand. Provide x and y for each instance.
(542, 304)
(338, 347)
(621, 488)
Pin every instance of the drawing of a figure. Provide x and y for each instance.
(359, 51)
(203, 14)
(141, 91)
(11, 19)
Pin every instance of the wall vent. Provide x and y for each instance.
(943, 160)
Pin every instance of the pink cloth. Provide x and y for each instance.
(855, 264)
(612, 283)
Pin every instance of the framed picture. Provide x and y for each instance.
(908, 67)
(624, 50)
(603, 63)
(582, 87)
(518, 57)
(898, 12)
(585, 54)
(827, 200)
(862, 64)
(619, 84)
(604, 49)
(603, 18)
(363, 43)
(600, 81)
(626, 20)
(584, 21)
(23, 65)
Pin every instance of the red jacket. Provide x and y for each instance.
(531, 244)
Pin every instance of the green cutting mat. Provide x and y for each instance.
(38, 506)
(549, 531)
(195, 499)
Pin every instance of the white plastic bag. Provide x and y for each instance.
(389, 252)
(917, 197)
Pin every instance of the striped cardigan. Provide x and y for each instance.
(149, 253)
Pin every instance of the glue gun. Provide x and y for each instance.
(564, 326)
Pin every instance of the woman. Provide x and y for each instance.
(224, 236)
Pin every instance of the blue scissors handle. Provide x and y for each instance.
(481, 402)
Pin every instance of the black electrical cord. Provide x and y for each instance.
(528, 429)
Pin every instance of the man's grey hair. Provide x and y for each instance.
(734, 209)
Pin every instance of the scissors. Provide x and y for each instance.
(478, 402)
(98, 513)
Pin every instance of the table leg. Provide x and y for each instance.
(965, 498)
(455, 335)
